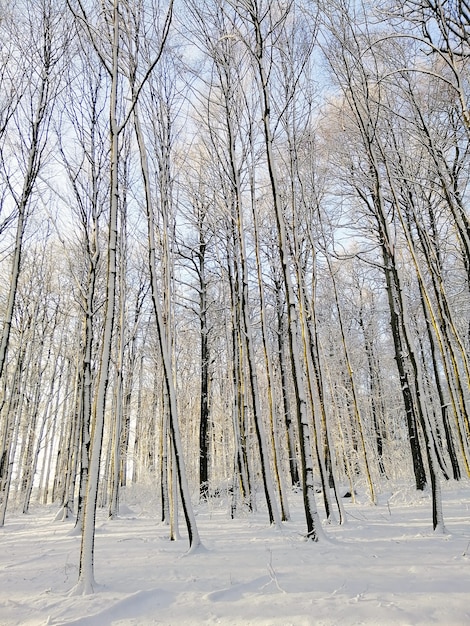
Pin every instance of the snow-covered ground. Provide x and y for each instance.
(385, 566)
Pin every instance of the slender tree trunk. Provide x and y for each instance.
(355, 403)
(290, 434)
(268, 366)
(38, 439)
(241, 467)
(119, 384)
(373, 393)
(194, 540)
(239, 235)
(314, 529)
(10, 432)
(204, 434)
(86, 578)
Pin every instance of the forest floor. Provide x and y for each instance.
(385, 566)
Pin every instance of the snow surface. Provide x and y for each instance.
(385, 566)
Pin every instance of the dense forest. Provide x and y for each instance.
(235, 245)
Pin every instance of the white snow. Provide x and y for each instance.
(385, 566)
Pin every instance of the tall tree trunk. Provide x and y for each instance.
(268, 364)
(204, 434)
(314, 529)
(281, 333)
(373, 391)
(352, 385)
(194, 540)
(86, 578)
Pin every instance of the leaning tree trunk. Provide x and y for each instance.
(194, 539)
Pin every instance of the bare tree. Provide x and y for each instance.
(106, 37)
(163, 329)
(263, 22)
(36, 37)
